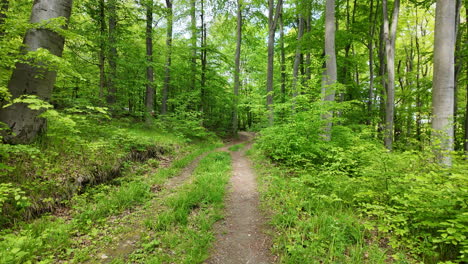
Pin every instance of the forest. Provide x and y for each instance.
(233, 131)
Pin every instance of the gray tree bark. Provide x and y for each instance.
(112, 58)
(443, 80)
(149, 56)
(28, 79)
(237, 68)
(167, 77)
(330, 73)
(102, 49)
(390, 39)
(193, 18)
(297, 58)
(273, 15)
(283, 58)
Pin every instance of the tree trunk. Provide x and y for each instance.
(283, 58)
(24, 122)
(112, 88)
(458, 67)
(167, 76)
(203, 58)
(193, 11)
(390, 38)
(149, 56)
(237, 67)
(297, 59)
(272, 21)
(372, 22)
(443, 80)
(102, 49)
(330, 73)
(4, 4)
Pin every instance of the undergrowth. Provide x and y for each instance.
(415, 208)
(182, 232)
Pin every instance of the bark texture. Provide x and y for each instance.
(112, 58)
(167, 77)
(273, 15)
(330, 73)
(390, 39)
(29, 79)
(237, 67)
(443, 79)
(149, 56)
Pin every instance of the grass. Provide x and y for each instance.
(49, 238)
(182, 232)
(311, 226)
(237, 147)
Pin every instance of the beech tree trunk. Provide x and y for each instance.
(203, 58)
(102, 49)
(167, 77)
(112, 58)
(443, 80)
(237, 67)
(390, 38)
(297, 59)
(272, 22)
(193, 18)
(149, 56)
(330, 73)
(283, 58)
(28, 79)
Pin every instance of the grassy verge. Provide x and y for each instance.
(310, 225)
(50, 238)
(182, 231)
(237, 147)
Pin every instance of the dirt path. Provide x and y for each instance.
(240, 239)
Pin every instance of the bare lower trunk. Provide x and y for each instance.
(193, 18)
(443, 80)
(297, 59)
(237, 67)
(203, 58)
(283, 58)
(272, 21)
(390, 38)
(167, 76)
(102, 49)
(330, 73)
(149, 56)
(112, 88)
(24, 122)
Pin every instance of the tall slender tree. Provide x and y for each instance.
(34, 78)
(237, 67)
(297, 58)
(330, 73)
(149, 57)
(102, 48)
(112, 57)
(389, 31)
(167, 76)
(273, 15)
(443, 79)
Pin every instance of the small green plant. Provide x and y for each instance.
(237, 147)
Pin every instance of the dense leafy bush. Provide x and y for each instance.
(405, 196)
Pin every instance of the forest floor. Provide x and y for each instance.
(240, 237)
(237, 237)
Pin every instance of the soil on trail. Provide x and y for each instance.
(240, 238)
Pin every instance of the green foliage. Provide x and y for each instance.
(183, 231)
(389, 189)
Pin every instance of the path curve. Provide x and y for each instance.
(240, 238)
